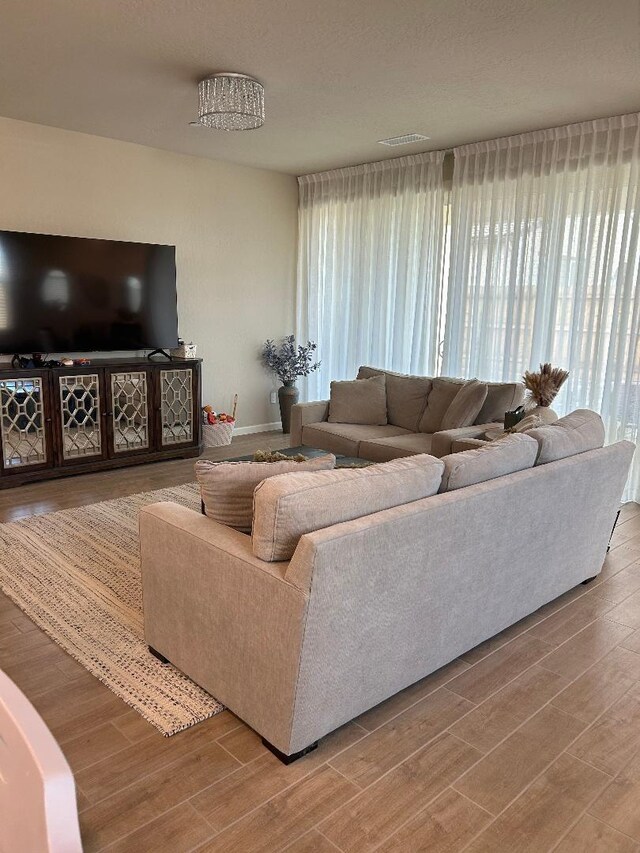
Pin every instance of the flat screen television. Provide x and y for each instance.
(72, 294)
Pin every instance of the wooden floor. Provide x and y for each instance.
(530, 742)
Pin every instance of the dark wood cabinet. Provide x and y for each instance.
(111, 413)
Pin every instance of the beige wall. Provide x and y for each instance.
(234, 229)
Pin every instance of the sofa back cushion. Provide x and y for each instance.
(465, 406)
(359, 401)
(578, 432)
(227, 487)
(501, 397)
(406, 396)
(505, 456)
(287, 507)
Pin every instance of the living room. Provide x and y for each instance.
(319, 371)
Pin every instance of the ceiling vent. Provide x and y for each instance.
(407, 139)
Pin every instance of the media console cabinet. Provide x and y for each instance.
(114, 412)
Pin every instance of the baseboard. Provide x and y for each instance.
(247, 430)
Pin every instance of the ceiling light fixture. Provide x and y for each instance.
(230, 101)
(407, 139)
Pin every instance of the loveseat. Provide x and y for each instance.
(416, 406)
(299, 632)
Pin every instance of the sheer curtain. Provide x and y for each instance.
(370, 267)
(544, 265)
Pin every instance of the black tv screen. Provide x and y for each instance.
(71, 294)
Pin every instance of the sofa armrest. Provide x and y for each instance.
(306, 413)
(442, 442)
(228, 620)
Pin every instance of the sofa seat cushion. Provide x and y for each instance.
(360, 401)
(406, 396)
(578, 432)
(227, 487)
(384, 449)
(496, 459)
(345, 438)
(287, 507)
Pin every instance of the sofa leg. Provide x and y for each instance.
(589, 580)
(289, 759)
(156, 654)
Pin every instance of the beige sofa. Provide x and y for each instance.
(415, 407)
(370, 605)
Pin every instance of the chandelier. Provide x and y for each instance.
(229, 101)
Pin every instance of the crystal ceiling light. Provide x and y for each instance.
(230, 101)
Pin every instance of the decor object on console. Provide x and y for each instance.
(184, 350)
(230, 101)
(289, 362)
(217, 427)
(543, 387)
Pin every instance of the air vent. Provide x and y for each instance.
(407, 139)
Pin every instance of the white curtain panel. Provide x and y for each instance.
(370, 267)
(544, 265)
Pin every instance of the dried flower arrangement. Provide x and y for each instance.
(289, 361)
(543, 386)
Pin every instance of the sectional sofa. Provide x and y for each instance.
(416, 406)
(357, 583)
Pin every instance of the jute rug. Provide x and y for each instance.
(76, 574)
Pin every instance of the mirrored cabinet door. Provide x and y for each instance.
(130, 422)
(177, 406)
(79, 398)
(22, 424)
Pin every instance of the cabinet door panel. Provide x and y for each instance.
(177, 407)
(24, 429)
(80, 417)
(129, 412)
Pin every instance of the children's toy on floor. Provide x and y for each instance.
(217, 427)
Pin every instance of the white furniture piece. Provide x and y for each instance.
(38, 812)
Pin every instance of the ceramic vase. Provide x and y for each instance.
(287, 396)
(545, 413)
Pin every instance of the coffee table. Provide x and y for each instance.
(310, 453)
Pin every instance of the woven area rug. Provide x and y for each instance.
(76, 574)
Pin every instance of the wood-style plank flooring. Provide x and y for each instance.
(530, 742)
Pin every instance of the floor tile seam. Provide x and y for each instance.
(166, 767)
(524, 790)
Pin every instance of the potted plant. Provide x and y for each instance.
(542, 387)
(289, 361)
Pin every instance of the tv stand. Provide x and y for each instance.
(159, 352)
(59, 421)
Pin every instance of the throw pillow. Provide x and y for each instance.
(360, 401)
(442, 394)
(227, 487)
(512, 453)
(465, 406)
(287, 507)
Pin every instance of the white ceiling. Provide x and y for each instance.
(339, 74)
